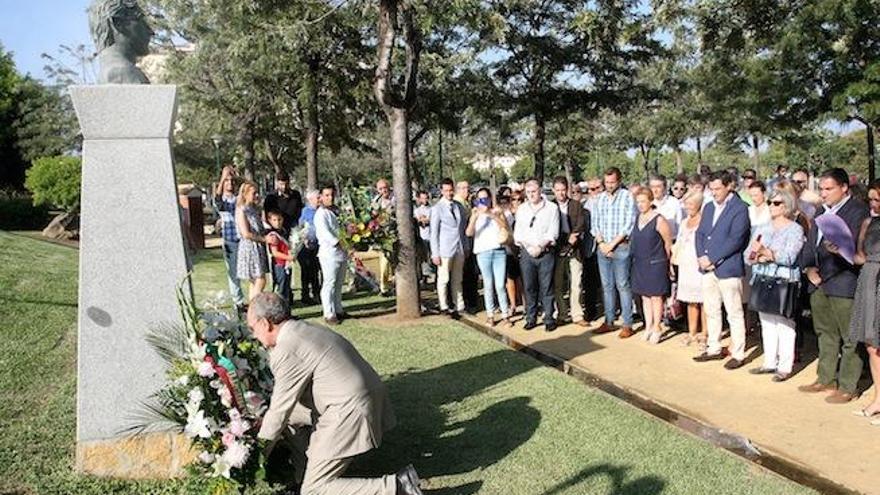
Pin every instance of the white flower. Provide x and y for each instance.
(199, 426)
(236, 454)
(221, 467)
(206, 457)
(239, 427)
(183, 380)
(196, 396)
(254, 402)
(225, 396)
(206, 370)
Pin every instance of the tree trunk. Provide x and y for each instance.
(872, 152)
(245, 137)
(679, 164)
(646, 160)
(756, 154)
(540, 135)
(569, 172)
(312, 123)
(394, 15)
(493, 184)
(699, 153)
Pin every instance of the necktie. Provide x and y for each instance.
(452, 209)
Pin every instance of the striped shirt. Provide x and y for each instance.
(613, 216)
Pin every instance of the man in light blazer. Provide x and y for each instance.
(448, 245)
(332, 399)
(722, 237)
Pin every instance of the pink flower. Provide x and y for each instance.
(228, 438)
(206, 370)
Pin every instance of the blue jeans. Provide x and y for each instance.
(230, 254)
(537, 274)
(281, 280)
(614, 273)
(493, 267)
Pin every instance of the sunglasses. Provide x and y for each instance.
(777, 203)
(800, 182)
(591, 189)
(752, 177)
(677, 188)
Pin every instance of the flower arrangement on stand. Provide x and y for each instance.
(363, 228)
(218, 387)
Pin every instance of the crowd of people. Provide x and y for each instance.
(717, 249)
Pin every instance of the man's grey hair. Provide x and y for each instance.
(788, 201)
(270, 306)
(101, 16)
(312, 193)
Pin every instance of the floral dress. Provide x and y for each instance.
(253, 261)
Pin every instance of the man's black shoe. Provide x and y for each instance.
(549, 327)
(453, 314)
(704, 357)
(530, 325)
(408, 481)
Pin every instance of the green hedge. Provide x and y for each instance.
(17, 212)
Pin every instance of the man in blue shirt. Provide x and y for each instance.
(224, 202)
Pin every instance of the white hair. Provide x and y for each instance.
(270, 306)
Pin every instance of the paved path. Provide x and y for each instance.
(822, 438)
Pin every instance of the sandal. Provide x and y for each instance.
(508, 323)
(490, 321)
(863, 413)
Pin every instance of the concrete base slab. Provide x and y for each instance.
(150, 456)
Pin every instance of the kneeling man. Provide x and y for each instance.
(330, 397)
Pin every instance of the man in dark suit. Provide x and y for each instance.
(568, 253)
(722, 237)
(833, 284)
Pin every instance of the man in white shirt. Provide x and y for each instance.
(331, 256)
(422, 216)
(536, 231)
(666, 205)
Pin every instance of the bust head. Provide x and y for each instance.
(121, 34)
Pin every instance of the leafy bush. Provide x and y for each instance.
(55, 181)
(17, 212)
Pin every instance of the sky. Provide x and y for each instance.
(29, 28)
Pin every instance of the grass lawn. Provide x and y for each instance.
(473, 416)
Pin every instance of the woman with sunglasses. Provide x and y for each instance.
(774, 252)
(864, 326)
(486, 225)
(514, 277)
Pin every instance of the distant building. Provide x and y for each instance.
(482, 163)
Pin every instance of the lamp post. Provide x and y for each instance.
(217, 140)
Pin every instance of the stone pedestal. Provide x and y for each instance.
(132, 257)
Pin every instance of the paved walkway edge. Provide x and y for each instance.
(730, 441)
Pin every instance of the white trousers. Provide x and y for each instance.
(778, 335)
(450, 271)
(333, 267)
(726, 291)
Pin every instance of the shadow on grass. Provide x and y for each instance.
(356, 311)
(436, 446)
(646, 485)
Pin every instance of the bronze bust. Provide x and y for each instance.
(121, 35)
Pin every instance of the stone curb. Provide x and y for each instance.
(730, 441)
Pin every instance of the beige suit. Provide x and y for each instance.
(334, 401)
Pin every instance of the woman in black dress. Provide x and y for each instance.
(865, 321)
(651, 245)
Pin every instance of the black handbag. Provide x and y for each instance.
(774, 295)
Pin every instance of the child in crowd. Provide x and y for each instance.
(280, 250)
